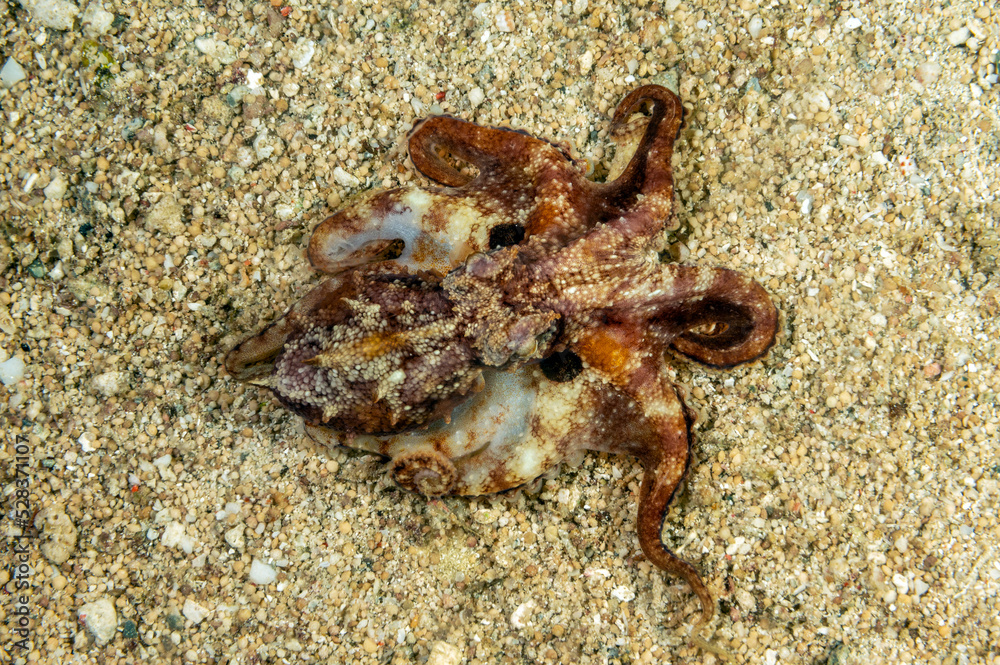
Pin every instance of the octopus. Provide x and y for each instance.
(479, 331)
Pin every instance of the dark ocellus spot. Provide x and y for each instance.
(562, 367)
(506, 235)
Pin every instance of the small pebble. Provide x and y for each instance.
(443, 653)
(285, 211)
(55, 14)
(959, 37)
(111, 383)
(235, 538)
(907, 165)
(261, 573)
(194, 612)
(166, 216)
(268, 146)
(96, 20)
(11, 74)
(220, 50)
(100, 619)
(254, 80)
(978, 29)
(927, 72)
(129, 630)
(345, 179)
(521, 616)
(805, 200)
(746, 600)
(174, 619)
(174, 535)
(11, 371)
(505, 21)
(302, 53)
(162, 464)
(476, 96)
(819, 98)
(58, 534)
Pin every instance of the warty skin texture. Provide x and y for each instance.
(482, 330)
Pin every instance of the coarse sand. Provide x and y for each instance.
(162, 166)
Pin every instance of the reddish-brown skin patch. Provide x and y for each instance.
(381, 352)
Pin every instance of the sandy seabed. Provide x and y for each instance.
(162, 165)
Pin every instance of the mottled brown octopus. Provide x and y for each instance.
(478, 332)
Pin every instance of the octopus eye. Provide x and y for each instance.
(393, 249)
(710, 329)
(506, 235)
(562, 366)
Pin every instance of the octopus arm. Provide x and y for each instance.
(497, 417)
(524, 181)
(640, 413)
(492, 150)
(665, 460)
(648, 173)
(736, 322)
(438, 228)
(253, 358)
(715, 316)
(415, 227)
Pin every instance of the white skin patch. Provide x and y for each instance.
(561, 406)
(531, 460)
(538, 446)
(498, 416)
(465, 231)
(425, 247)
(402, 222)
(704, 279)
(664, 407)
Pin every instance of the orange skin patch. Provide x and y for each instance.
(604, 353)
